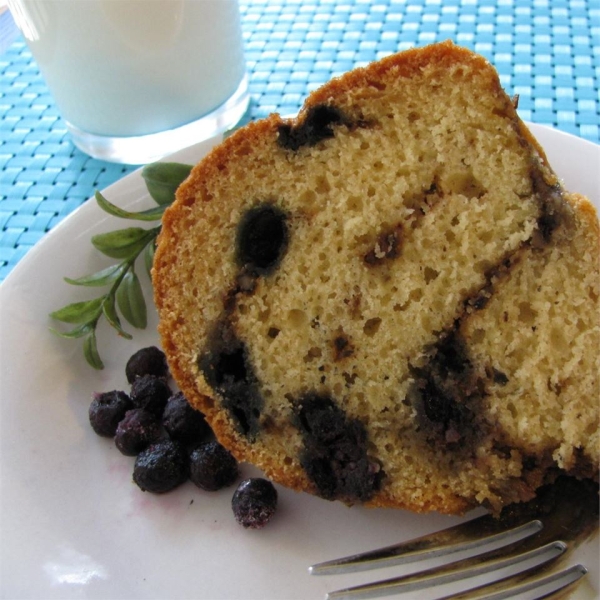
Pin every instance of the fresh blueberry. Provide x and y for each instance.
(182, 422)
(254, 503)
(161, 467)
(212, 467)
(138, 429)
(147, 361)
(151, 393)
(106, 410)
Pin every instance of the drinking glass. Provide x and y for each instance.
(136, 80)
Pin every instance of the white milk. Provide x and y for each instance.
(134, 67)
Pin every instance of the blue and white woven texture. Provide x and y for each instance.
(546, 51)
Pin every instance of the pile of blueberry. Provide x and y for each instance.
(172, 442)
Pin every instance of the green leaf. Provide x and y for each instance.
(122, 243)
(149, 258)
(79, 312)
(90, 351)
(75, 333)
(110, 312)
(103, 277)
(163, 179)
(152, 214)
(130, 300)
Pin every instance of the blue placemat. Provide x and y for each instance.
(547, 51)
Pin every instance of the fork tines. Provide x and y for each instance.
(518, 548)
(450, 573)
(472, 535)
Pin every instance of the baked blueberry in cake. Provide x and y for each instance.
(390, 299)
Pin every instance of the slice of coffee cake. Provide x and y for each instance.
(389, 299)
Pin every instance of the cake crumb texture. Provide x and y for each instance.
(389, 299)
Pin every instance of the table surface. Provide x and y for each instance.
(546, 51)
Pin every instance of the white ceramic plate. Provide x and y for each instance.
(73, 525)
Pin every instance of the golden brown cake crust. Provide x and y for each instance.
(194, 271)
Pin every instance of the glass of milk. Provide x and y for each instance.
(136, 80)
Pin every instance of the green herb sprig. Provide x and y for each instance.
(124, 294)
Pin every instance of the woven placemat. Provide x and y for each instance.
(547, 51)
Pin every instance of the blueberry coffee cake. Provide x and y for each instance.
(389, 299)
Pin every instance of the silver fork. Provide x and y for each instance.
(527, 541)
